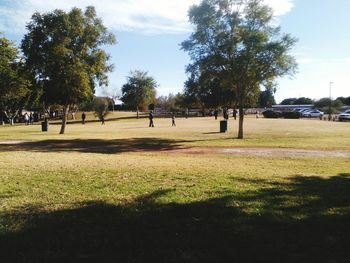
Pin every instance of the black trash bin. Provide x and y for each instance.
(44, 126)
(223, 126)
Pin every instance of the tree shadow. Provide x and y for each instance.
(230, 228)
(96, 145)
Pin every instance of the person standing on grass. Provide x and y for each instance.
(216, 114)
(173, 120)
(83, 117)
(26, 118)
(151, 124)
(234, 113)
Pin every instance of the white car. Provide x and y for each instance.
(313, 113)
(345, 116)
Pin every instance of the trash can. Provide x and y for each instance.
(44, 126)
(223, 126)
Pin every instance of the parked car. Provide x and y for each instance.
(345, 116)
(304, 110)
(312, 113)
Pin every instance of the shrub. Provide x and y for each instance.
(291, 115)
(272, 114)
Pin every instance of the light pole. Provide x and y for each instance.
(330, 100)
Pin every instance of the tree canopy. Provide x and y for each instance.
(237, 42)
(14, 81)
(266, 98)
(297, 101)
(63, 50)
(139, 91)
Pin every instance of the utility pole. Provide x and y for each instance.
(330, 100)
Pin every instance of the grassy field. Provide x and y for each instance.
(121, 192)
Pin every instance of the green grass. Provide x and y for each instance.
(306, 134)
(114, 193)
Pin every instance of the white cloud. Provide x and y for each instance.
(126, 15)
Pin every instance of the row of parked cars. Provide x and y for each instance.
(310, 113)
(344, 116)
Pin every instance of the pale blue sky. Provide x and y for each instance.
(149, 33)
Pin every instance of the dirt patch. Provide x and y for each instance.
(11, 142)
(264, 152)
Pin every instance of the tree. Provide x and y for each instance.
(328, 106)
(63, 50)
(14, 81)
(139, 91)
(288, 101)
(112, 94)
(237, 42)
(344, 100)
(297, 101)
(100, 107)
(266, 98)
(205, 90)
(303, 101)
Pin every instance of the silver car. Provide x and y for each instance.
(312, 113)
(345, 116)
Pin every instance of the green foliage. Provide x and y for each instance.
(63, 51)
(291, 115)
(272, 114)
(14, 81)
(100, 107)
(297, 101)
(205, 91)
(139, 91)
(170, 102)
(344, 100)
(328, 106)
(239, 45)
(266, 98)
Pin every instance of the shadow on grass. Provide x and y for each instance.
(97, 145)
(306, 219)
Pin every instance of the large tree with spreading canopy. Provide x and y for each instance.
(238, 42)
(139, 91)
(14, 81)
(64, 52)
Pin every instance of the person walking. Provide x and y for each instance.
(83, 117)
(31, 119)
(151, 124)
(216, 114)
(234, 113)
(225, 114)
(26, 118)
(173, 120)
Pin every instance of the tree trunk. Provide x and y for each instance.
(240, 123)
(1, 118)
(137, 112)
(241, 113)
(64, 118)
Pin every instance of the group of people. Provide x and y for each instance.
(173, 117)
(28, 118)
(151, 116)
(225, 114)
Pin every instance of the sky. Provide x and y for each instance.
(149, 33)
